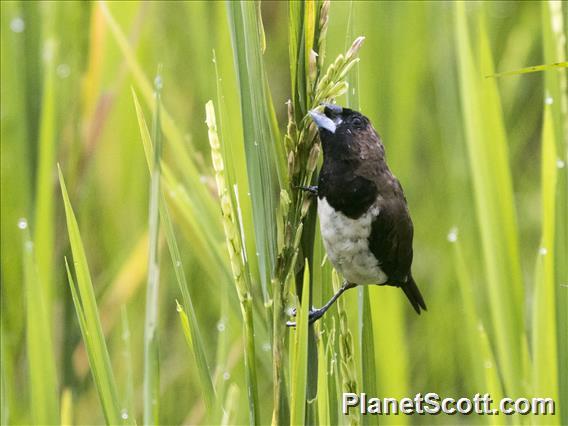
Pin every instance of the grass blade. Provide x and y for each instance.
(151, 355)
(194, 339)
(260, 135)
(241, 274)
(87, 313)
(534, 68)
(487, 145)
(556, 89)
(545, 367)
(42, 371)
(203, 370)
(44, 237)
(299, 356)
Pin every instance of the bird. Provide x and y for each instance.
(364, 219)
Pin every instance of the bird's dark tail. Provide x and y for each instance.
(414, 296)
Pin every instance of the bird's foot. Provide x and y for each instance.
(313, 189)
(313, 316)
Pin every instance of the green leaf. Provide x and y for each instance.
(495, 208)
(192, 332)
(151, 355)
(299, 356)
(554, 46)
(42, 368)
(534, 68)
(261, 136)
(545, 361)
(87, 313)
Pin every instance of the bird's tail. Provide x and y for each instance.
(414, 296)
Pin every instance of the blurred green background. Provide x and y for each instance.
(459, 150)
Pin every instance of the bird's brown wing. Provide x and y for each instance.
(390, 240)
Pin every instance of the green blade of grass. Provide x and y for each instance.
(526, 70)
(191, 337)
(237, 255)
(151, 355)
(484, 371)
(260, 136)
(87, 313)
(194, 338)
(556, 88)
(190, 216)
(299, 356)
(128, 376)
(42, 370)
(545, 378)
(44, 236)
(323, 405)
(488, 157)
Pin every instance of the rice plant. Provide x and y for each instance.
(155, 240)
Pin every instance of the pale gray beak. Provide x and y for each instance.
(323, 121)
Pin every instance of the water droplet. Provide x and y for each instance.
(266, 347)
(158, 83)
(255, 143)
(548, 100)
(178, 263)
(560, 163)
(220, 326)
(453, 235)
(178, 308)
(63, 70)
(542, 251)
(23, 223)
(488, 364)
(124, 414)
(17, 25)
(226, 375)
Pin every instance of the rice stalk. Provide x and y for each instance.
(238, 263)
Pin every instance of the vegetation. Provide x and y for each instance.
(154, 240)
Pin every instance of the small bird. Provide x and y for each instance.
(364, 219)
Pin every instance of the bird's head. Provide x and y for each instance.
(338, 120)
(343, 128)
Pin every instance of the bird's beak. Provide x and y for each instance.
(330, 119)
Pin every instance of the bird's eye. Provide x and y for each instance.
(357, 122)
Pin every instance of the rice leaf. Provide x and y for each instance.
(42, 369)
(151, 355)
(299, 357)
(260, 136)
(44, 236)
(195, 347)
(128, 387)
(556, 93)
(489, 167)
(241, 274)
(545, 366)
(323, 405)
(526, 70)
(87, 313)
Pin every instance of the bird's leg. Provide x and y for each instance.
(316, 314)
(311, 189)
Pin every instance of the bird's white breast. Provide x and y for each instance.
(346, 241)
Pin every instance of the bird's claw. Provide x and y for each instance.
(312, 189)
(313, 316)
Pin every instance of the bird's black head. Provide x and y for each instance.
(343, 130)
